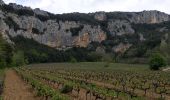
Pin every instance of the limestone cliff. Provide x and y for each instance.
(69, 30)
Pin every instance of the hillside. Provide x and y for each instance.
(99, 36)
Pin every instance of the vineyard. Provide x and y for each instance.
(95, 81)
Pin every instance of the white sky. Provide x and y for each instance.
(86, 6)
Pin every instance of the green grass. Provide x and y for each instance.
(1, 98)
(94, 66)
(2, 72)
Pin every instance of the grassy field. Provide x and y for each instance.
(94, 66)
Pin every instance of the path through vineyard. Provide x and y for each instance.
(16, 89)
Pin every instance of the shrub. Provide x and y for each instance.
(18, 59)
(157, 61)
(66, 89)
(5, 53)
(73, 60)
(2, 63)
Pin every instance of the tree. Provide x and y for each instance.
(2, 63)
(73, 60)
(157, 61)
(5, 53)
(18, 59)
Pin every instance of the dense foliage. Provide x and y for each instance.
(18, 59)
(157, 61)
(38, 53)
(5, 53)
(9, 57)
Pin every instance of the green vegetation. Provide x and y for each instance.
(1, 98)
(66, 88)
(2, 72)
(93, 66)
(157, 61)
(5, 53)
(38, 53)
(151, 33)
(101, 79)
(18, 59)
(118, 81)
(73, 60)
(139, 52)
(9, 56)
(42, 89)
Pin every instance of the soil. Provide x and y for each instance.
(166, 69)
(16, 89)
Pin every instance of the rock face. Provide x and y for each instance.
(150, 17)
(1, 2)
(120, 27)
(100, 16)
(68, 31)
(55, 34)
(121, 48)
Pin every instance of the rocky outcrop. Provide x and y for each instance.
(121, 48)
(69, 31)
(100, 16)
(120, 27)
(150, 17)
(52, 33)
(40, 12)
(1, 2)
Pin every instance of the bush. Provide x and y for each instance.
(66, 89)
(2, 63)
(5, 53)
(73, 60)
(18, 59)
(157, 61)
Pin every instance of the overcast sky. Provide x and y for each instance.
(86, 6)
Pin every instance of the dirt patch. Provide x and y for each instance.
(16, 89)
(166, 69)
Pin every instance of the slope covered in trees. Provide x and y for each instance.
(5, 53)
